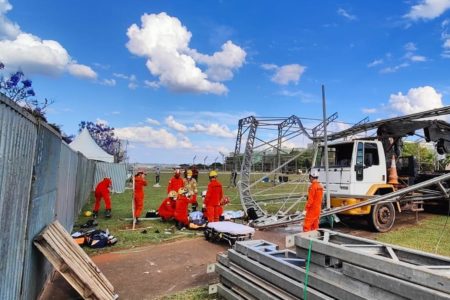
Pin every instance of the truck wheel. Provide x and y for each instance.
(382, 217)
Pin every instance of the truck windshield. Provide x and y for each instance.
(338, 156)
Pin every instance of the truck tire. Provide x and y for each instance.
(382, 217)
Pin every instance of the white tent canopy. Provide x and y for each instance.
(85, 144)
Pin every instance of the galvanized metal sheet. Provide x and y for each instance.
(17, 141)
(42, 210)
(117, 173)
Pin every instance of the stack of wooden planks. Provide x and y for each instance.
(73, 263)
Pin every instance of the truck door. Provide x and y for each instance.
(359, 165)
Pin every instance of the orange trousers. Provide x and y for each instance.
(310, 224)
(98, 198)
(213, 213)
(138, 205)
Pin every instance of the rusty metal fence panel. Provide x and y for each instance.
(18, 134)
(117, 173)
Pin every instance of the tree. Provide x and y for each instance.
(424, 155)
(104, 137)
(19, 89)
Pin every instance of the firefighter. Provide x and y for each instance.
(167, 207)
(214, 195)
(181, 209)
(102, 191)
(139, 183)
(191, 185)
(314, 203)
(176, 182)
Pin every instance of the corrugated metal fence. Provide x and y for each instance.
(41, 179)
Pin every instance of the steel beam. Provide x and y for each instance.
(384, 264)
(227, 293)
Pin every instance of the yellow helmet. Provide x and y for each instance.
(189, 173)
(213, 173)
(87, 213)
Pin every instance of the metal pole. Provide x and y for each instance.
(328, 203)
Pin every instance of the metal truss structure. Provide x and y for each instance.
(291, 127)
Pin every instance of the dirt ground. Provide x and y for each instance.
(153, 271)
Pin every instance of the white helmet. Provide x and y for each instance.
(314, 173)
(204, 194)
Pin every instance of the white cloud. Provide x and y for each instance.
(445, 36)
(410, 47)
(428, 9)
(164, 41)
(446, 44)
(120, 75)
(151, 84)
(214, 130)
(285, 74)
(394, 68)
(115, 112)
(345, 14)
(418, 58)
(152, 121)
(152, 138)
(416, 100)
(132, 85)
(108, 82)
(375, 63)
(369, 110)
(172, 123)
(30, 53)
(101, 121)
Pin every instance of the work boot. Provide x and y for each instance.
(138, 221)
(108, 213)
(95, 214)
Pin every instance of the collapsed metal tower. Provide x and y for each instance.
(291, 127)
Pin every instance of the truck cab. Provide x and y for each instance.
(354, 167)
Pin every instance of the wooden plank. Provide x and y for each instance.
(73, 263)
(64, 251)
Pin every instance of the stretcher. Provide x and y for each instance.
(228, 231)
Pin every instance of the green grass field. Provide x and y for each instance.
(423, 236)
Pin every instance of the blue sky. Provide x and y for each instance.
(174, 77)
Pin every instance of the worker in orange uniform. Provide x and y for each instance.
(314, 204)
(191, 185)
(176, 182)
(102, 191)
(139, 183)
(181, 209)
(167, 208)
(214, 195)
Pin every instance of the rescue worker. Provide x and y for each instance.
(139, 183)
(314, 203)
(195, 173)
(214, 195)
(181, 208)
(167, 208)
(157, 175)
(191, 185)
(102, 191)
(176, 182)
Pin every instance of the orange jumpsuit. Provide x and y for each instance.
(214, 195)
(139, 184)
(313, 206)
(167, 208)
(181, 209)
(175, 184)
(102, 191)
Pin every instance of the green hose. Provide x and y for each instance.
(305, 282)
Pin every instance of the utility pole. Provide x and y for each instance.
(328, 203)
(193, 160)
(204, 162)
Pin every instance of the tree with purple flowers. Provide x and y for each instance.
(105, 138)
(19, 89)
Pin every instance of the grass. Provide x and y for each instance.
(423, 236)
(190, 294)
